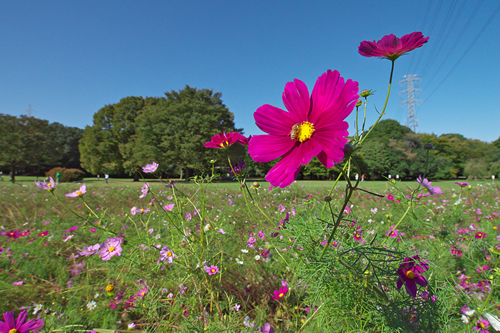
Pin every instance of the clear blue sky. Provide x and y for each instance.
(68, 59)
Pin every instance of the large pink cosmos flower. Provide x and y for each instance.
(313, 126)
(79, 193)
(50, 186)
(20, 325)
(391, 47)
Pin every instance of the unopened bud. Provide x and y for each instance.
(496, 249)
(365, 93)
(255, 185)
(428, 146)
(359, 103)
(328, 198)
(348, 150)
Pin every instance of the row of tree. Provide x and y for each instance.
(32, 146)
(172, 131)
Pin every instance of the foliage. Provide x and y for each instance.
(67, 175)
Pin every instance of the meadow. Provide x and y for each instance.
(209, 227)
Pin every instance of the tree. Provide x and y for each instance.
(24, 143)
(103, 144)
(64, 141)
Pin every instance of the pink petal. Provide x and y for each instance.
(332, 99)
(273, 120)
(389, 44)
(9, 319)
(265, 148)
(369, 49)
(399, 284)
(411, 287)
(421, 280)
(412, 41)
(296, 100)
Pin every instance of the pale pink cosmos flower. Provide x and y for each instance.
(111, 247)
(427, 184)
(391, 47)
(79, 193)
(44, 186)
(313, 126)
(169, 207)
(90, 250)
(150, 168)
(144, 190)
(136, 210)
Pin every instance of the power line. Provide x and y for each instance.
(460, 35)
(433, 23)
(435, 50)
(467, 50)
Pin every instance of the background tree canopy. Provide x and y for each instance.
(170, 130)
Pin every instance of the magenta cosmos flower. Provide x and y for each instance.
(79, 193)
(409, 274)
(462, 184)
(111, 247)
(211, 270)
(225, 140)
(480, 235)
(313, 126)
(20, 325)
(150, 168)
(279, 294)
(391, 47)
(481, 324)
(44, 186)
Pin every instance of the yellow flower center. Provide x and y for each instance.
(305, 131)
(111, 249)
(482, 325)
(78, 192)
(109, 287)
(142, 209)
(213, 270)
(280, 295)
(410, 275)
(13, 331)
(169, 253)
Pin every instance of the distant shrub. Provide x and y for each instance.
(67, 175)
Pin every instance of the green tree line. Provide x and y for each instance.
(30, 145)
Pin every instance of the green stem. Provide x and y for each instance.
(385, 105)
(397, 224)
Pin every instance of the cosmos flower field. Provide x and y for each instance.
(247, 277)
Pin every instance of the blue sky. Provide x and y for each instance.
(67, 59)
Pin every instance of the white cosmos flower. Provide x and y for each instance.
(91, 305)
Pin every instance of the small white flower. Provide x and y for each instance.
(91, 305)
(239, 261)
(37, 307)
(207, 228)
(244, 250)
(97, 295)
(131, 326)
(257, 257)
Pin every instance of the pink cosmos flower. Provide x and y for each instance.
(136, 210)
(225, 140)
(111, 247)
(169, 207)
(462, 184)
(313, 126)
(391, 47)
(279, 294)
(455, 251)
(13, 234)
(390, 197)
(19, 325)
(480, 235)
(480, 325)
(42, 234)
(427, 184)
(167, 254)
(17, 283)
(44, 186)
(409, 274)
(150, 168)
(144, 190)
(244, 141)
(211, 270)
(90, 250)
(79, 193)
(392, 232)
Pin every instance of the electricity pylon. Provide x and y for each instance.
(411, 121)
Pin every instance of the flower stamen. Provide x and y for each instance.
(410, 275)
